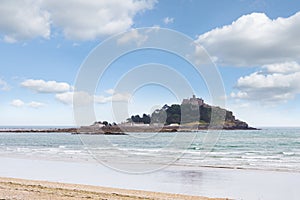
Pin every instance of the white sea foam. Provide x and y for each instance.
(266, 149)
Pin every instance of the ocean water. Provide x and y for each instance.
(272, 149)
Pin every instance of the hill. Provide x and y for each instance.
(194, 113)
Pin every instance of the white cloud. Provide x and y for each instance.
(117, 97)
(78, 19)
(3, 85)
(239, 95)
(17, 103)
(75, 44)
(9, 39)
(35, 104)
(154, 28)
(282, 68)
(254, 40)
(132, 36)
(168, 20)
(200, 56)
(90, 19)
(65, 98)
(257, 40)
(84, 98)
(42, 86)
(110, 91)
(22, 20)
(277, 83)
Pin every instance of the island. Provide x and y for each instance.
(193, 114)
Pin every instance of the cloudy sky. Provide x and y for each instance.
(255, 45)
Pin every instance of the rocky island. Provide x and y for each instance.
(192, 114)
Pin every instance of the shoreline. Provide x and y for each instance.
(217, 167)
(199, 182)
(117, 130)
(31, 189)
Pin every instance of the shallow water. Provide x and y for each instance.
(267, 149)
(269, 160)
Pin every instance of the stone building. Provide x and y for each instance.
(193, 101)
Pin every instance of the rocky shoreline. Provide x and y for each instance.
(50, 130)
(122, 130)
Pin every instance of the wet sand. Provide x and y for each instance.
(21, 189)
(206, 182)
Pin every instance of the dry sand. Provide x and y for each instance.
(19, 189)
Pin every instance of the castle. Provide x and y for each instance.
(194, 101)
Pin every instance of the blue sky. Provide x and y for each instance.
(254, 44)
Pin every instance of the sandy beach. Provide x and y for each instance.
(204, 182)
(11, 188)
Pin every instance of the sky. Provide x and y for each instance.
(254, 44)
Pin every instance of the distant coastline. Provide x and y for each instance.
(38, 130)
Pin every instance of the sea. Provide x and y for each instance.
(235, 164)
(275, 149)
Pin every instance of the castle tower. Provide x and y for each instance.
(194, 101)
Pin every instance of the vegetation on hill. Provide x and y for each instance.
(187, 114)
